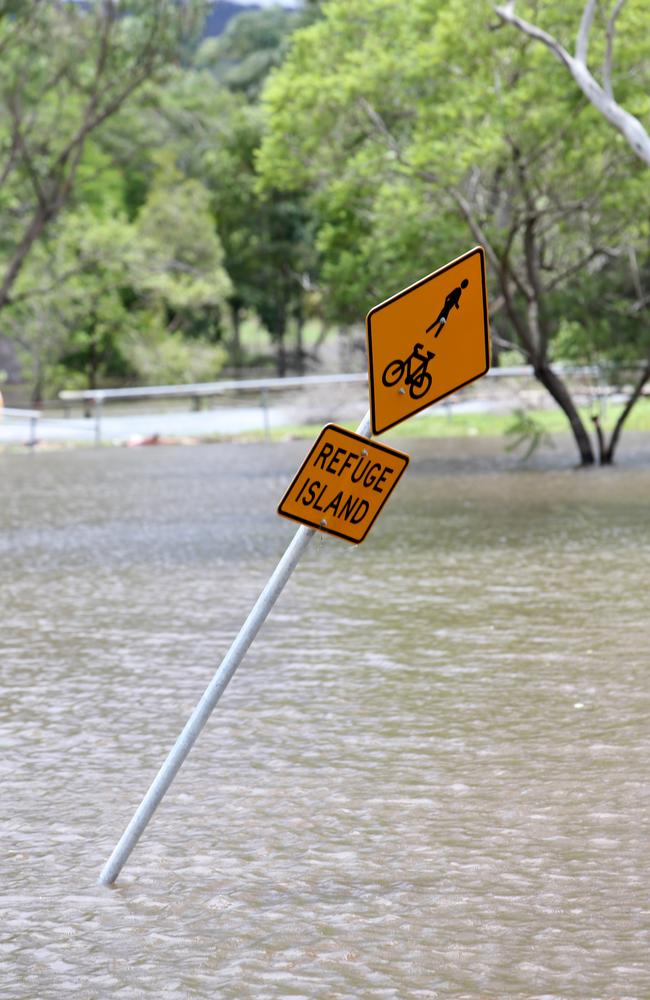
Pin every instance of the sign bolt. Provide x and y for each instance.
(323, 522)
(402, 392)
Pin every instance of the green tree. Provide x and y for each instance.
(69, 305)
(215, 125)
(252, 45)
(630, 303)
(66, 69)
(107, 298)
(209, 134)
(182, 259)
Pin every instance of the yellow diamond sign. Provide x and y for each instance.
(428, 340)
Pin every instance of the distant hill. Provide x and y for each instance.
(222, 12)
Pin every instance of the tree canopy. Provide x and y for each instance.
(157, 189)
(419, 127)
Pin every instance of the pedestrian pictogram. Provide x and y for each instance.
(428, 340)
(343, 483)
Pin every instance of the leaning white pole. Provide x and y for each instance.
(213, 692)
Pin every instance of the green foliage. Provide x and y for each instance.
(152, 229)
(162, 358)
(103, 292)
(182, 258)
(66, 69)
(347, 78)
(386, 108)
(600, 320)
(69, 299)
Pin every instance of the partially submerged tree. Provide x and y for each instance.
(602, 97)
(68, 300)
(413, 124)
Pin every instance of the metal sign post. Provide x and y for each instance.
(327, 492)
(213, 692)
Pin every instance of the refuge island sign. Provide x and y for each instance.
(343, 483)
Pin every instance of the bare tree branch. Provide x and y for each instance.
(26, 157)
(627, 409)
(478, 232)
(381, 127)
(609, 51)
(573, 269)
(636, 272)
(502, 342)
(626, 123)
(11, 156)
(582, 41)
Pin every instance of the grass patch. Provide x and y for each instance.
(439, 423)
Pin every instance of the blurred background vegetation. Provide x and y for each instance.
(189, 189)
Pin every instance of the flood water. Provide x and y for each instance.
(429, 777)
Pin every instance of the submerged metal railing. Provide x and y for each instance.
(31, 418)
(34, 420)
(200, 390)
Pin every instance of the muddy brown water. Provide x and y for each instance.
(429, 777)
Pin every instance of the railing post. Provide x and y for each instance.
(98, 420)
(265, 414)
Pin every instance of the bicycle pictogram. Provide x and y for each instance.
(415, 376)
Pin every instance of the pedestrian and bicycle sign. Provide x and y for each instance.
(343, 483)
(428, 340)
